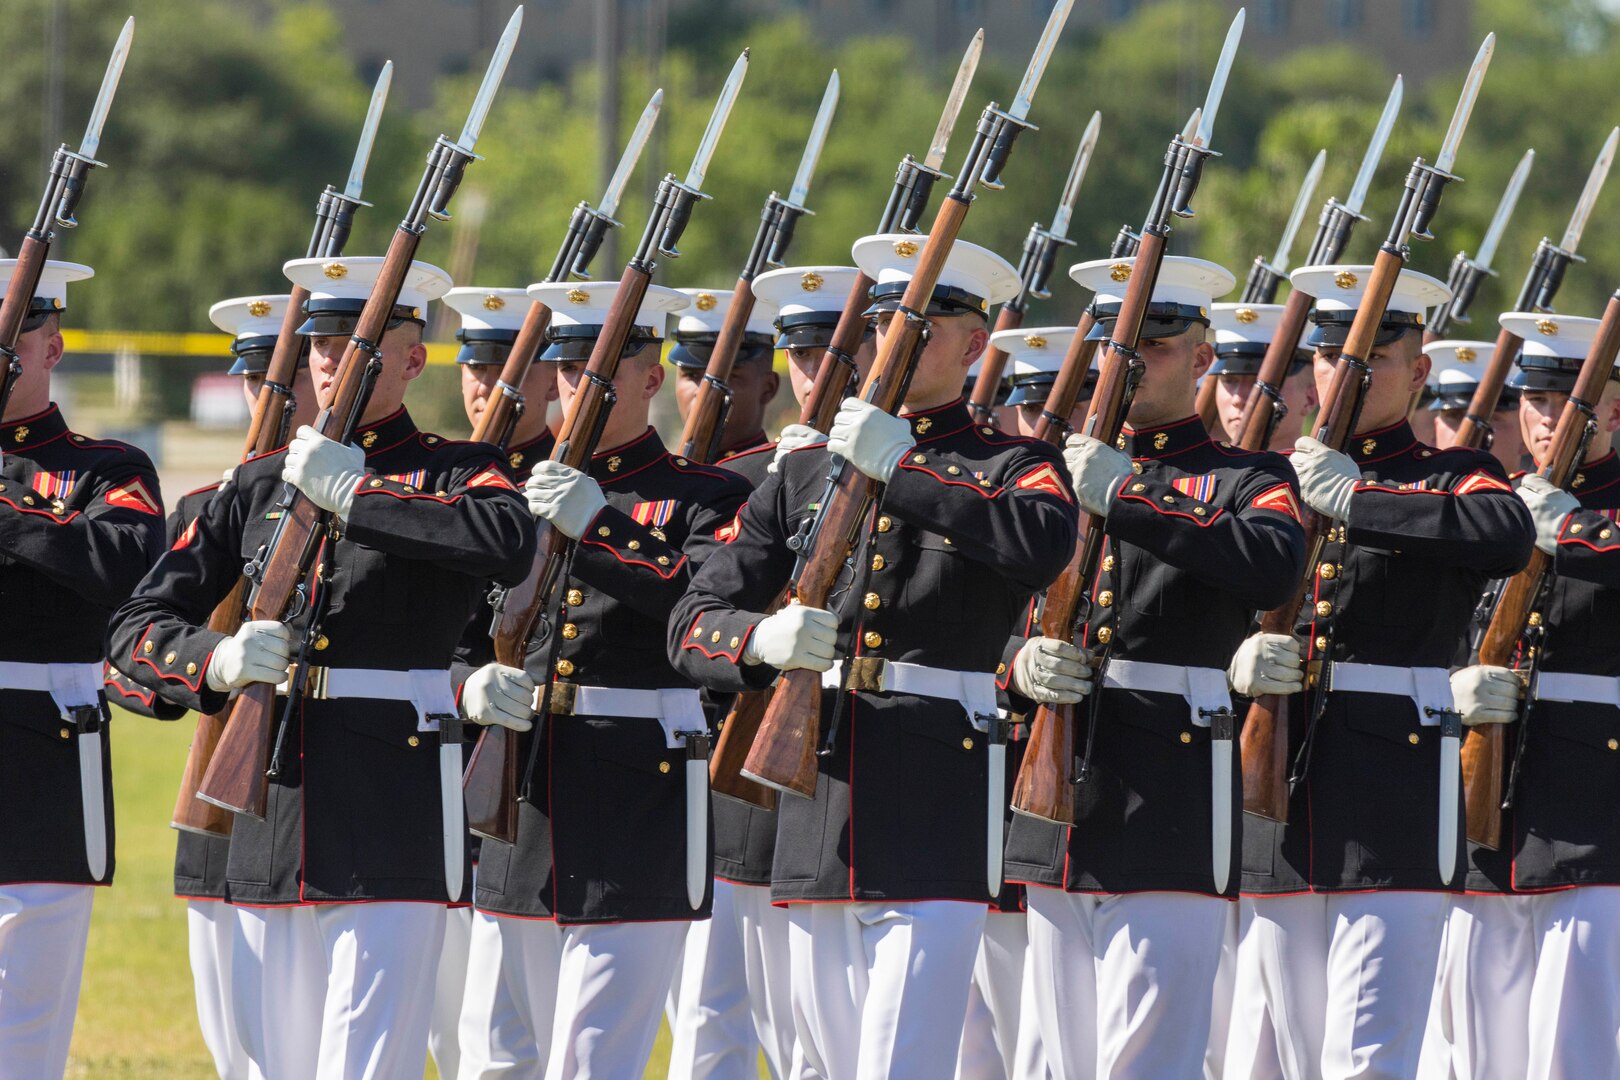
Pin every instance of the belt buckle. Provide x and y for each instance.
(86, 718)
(562, 698)
(868, 673)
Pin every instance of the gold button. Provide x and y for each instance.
(1324, 608)
(409, 490)
(1413, 738)
(1614, 744)
(1186, 737)
(1328, 571)
(984, 483)
(697, 631)
(191, 669)
(967, 744)
(873, 639)
(1105, 634)
(1105, 598)
(953, 470)
(604, 531)
(1170, 499)
(1604, 535)
(682, 462)
(1001, 669)
(1575, 528)
(375, 484)
(441, 493)
(146, 648)
(413, 741)
(1535, 618)
(65, 733)
(872, 601)
(663, 560)
(29, 499)
(1321, 643)
(170, 658)
(1199, 511)
(1138, 487)
(663, 766)
(575, 598)
(714, 638)
(885, 523)
(988, 431)
(570, 631)
(877, 562)
(919, 459)
(736, 641)
(565, 668)
(947, 541)
(634, 545)
(321, 643)
(1108, 563)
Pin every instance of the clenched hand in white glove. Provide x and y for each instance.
(326, 471)
(1486, 694)
(1267, 664)
(1327, 478)
(1052, 671)
(1549, 505)
(795, 637)
(869, 438)
(1097, 470)
(564, 496)
(260, 652)
(794, 437)
(498, 694)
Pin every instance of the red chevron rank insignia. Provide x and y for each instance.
(492, 477)
(1480, 481)
(731, 529)
(187, 536)
(1279, 499)
(134, 496)
(1045, 479)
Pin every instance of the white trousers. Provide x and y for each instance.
(1123, 982)
(510, 998)
(1575, 998)
(733, 996)
(611, 983)
(880, 989)
(1279, 994)
(343, 991)
(210, 925)
(994, 1042)
(1479, 1020)
(449, 990)
(43, 929)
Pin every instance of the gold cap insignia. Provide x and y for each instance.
(1465, 354)
(705, 301)
(1160, 441)
(578, 296)
(494, 302)
(905, 248)
(335, 270)
(811, 281)
(1120, 272)
(1547, 327)
(1369, 445)
(1035, 341)
(1245, 315)
(1344, 279)
(258, 308)
(368, 440)
(614, 462)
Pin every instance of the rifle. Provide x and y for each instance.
(493, 784)
(1466, 273)
(1041, 249)
(908, 201)
(1265, 278)
(1046, 782)
(706, 422)
(1264, 741)
(586, 228)
(785, 751)
(272, 412)
(236, 778)
(1512, 621)
(1265, 407)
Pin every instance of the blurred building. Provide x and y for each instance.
(430, 38)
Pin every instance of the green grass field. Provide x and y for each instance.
(137, 1020)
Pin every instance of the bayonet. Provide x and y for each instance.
(800, 191)
(1465, 105)
(1375, 148)
(492, 82)
(1307, 192)
(1042, 56)
(717, 123)
(1589, 194)
(1189, 132)
(632, 154)
(1077, 173)
(953, 104)
(1504, 211)
(368, 132)
(109, 86)
(1217, 82)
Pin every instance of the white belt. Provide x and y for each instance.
(1569, 686)
(1429, 688)
(428, 689)
(1203, 689)
(676, 709)
(72, 687)
(975, 691)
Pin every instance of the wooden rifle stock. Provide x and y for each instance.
(982, 401)
(833, 376)
(31, 258)
(1261, 408)
(1474, 431)
(500, 416)
(701, 436)
(1484, 749)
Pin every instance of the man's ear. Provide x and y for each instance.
(655, 380)
(415, 362)
(1203, 357)
(1609, 410)
(54, 348)
(771, 384)
(1420, 371)
(977, 342)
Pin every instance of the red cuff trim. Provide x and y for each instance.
(42, 513)
(367, 490)
(136, 655)
(665, 572)
(1197, 519)
(978, 489)
(1564, 537)
(129, 690)
(695, 639)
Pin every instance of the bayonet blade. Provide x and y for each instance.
(368, 132)
(109, 86)
(1077, 173)
(1190, 131)
(1594, 185)
(1217, 82)
(717, 123)
(1307, 192)
(1504, 210)
(1465, 105)
(953, 104)
(812, 147)
(1037, 63)
(1375, 148)
(492, 82)
(632, 154)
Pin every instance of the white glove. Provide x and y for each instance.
(497, 694)
(1549, 505)
(1327, 478)
(564, 496)
(870, 439)
(795, 637)
(326, 471)
(1267, 664)
(794, 437)
(259, 652)
(1097, 470)
(227, 476)
(1486, 695)
(1052, 671)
